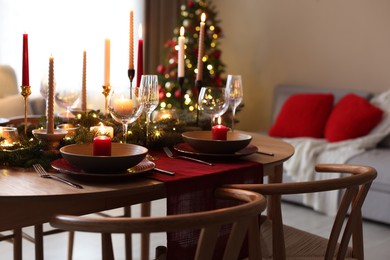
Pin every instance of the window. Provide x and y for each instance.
(65, 29)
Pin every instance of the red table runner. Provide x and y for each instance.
(192, 190)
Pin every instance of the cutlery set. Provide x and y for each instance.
(42, 172)
(170, 155)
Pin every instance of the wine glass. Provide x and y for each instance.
(234, 91)
(213, 101)
(150, 95)
(125, 106)
(67, 98)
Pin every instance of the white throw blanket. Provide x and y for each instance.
(310, 151)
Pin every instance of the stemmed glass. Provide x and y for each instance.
(125, 106)
(213, 101)
(150, 95)
(234, 91)
(67, 98)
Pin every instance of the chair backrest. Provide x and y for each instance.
(355, 184)
(244, 217)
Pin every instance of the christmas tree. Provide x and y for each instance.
(171, 93)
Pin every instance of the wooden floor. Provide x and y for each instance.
(87, 246)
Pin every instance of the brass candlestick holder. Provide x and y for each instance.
(181, 83)
(26, 91)
(130, 74)
(106, 92)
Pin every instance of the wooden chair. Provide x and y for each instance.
(39, 232)
(243, 216)
(298, 244)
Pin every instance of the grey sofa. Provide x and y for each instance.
(377, 204)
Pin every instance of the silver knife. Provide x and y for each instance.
(164, 171)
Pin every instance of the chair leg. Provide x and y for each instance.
(107, 251)
(17, 244)
(128, 240)
(145, 237)
(70, 244)
(38, 235)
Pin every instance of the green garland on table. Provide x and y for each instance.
(27, 152)
(162, 133)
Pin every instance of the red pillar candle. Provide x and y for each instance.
(102, 146)
(219, 132)
(25, 71)
(140, 57)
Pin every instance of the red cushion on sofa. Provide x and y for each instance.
(303, 115)
(352, 117)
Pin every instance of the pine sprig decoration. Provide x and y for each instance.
(25, 153)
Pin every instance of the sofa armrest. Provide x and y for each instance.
(12, 106)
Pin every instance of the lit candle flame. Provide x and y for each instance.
(203, 17)
(219, 120)
(182, 31)
(102, 128)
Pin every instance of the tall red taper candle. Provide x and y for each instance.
(25, 71)
(140, 58)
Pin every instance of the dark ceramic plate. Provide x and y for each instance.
(64, 167)
(202, 141)
(123, 156)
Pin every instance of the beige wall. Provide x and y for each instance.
(324, 43)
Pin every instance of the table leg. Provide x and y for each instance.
(17, 241)
(145, 237)
(128, 240)
(274, 213)
(38, 238)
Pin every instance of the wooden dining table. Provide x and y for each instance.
(26, 199)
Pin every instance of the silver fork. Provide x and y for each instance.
(170, 155)
(42, 173)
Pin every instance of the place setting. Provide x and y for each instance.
(202, 143)
(137, 130)
(221, 141)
